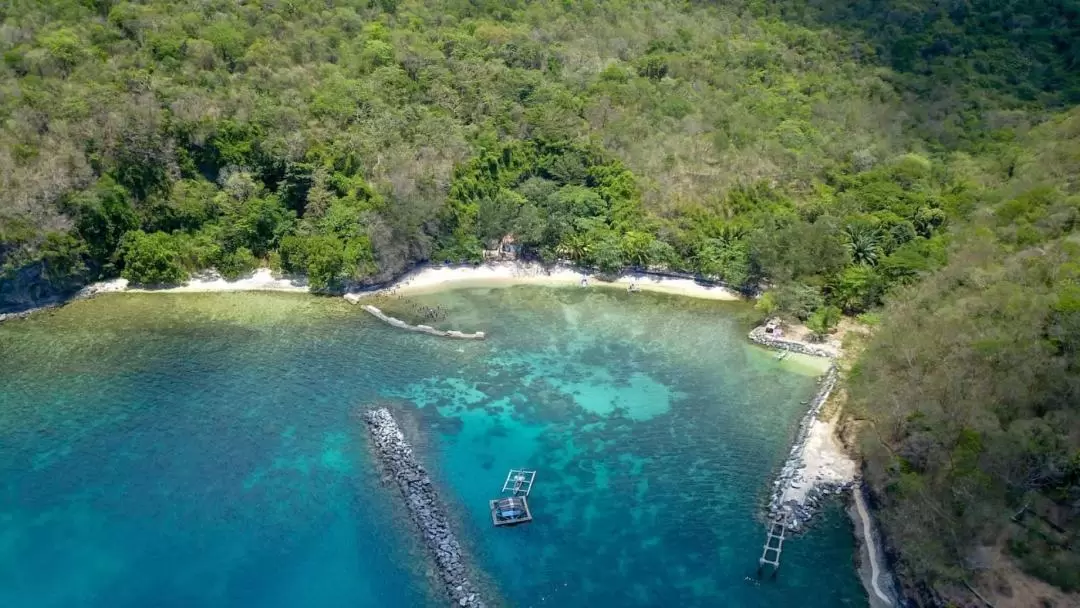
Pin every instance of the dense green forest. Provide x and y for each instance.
(917, 160)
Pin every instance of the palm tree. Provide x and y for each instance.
(574, 247)
(636, 247)
(863, 243)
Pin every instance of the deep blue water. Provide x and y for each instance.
(204, 450)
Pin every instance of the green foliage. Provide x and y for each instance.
(434, 132)
(767, 304)
(64, 47)
(823, 320)
(846, 154)
(857, 289)
(152, 259)
(234, 264)
(326, 260)
(863, 244)
(798, 300)
(258, 224)
(977, 359)
(377, 53)
(103, 215)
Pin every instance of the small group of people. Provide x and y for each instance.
(632, 288)
(429, 313)
(436, 313)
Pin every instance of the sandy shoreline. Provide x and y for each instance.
(262, 279)
(428, 279)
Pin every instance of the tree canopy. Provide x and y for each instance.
(844, 156)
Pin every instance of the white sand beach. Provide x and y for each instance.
(505, 274)
(433, 278)
(262, 279)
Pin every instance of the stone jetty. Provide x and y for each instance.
(798, 513)
(423, 329)
(396, 456)
(759, 335)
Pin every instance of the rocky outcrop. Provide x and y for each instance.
(423, 329)
(83, 294)
(396, 456)
(31, 287)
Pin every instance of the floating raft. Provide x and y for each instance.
(510, 511)
(519, 481)
(514, 509)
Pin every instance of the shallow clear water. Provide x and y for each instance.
(204, 450)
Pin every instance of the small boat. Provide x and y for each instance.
(782, 355)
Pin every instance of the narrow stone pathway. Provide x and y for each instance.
(871, 546)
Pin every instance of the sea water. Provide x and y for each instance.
(205, 450)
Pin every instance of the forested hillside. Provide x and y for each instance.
(348, 139)
(971, 386)
(842, 154)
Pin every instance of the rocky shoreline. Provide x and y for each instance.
(759, 335)
(83, 294)
(423, 329)
(11, 316)
(798, 513)
(395, 454)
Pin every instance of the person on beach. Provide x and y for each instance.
(584, 281)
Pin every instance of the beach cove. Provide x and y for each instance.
(654, 403)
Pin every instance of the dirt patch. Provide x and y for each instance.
(1005, 585)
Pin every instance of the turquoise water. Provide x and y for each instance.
(204, 450)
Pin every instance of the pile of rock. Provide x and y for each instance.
(759, 335)
(798, 513)
(424, 329)
(396, 456)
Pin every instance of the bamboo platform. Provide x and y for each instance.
(774, 545)
(514, 509)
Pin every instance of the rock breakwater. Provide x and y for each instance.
(424, 329)
(396, 456)
(759, 335)
(806, 479)
(798, 511)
